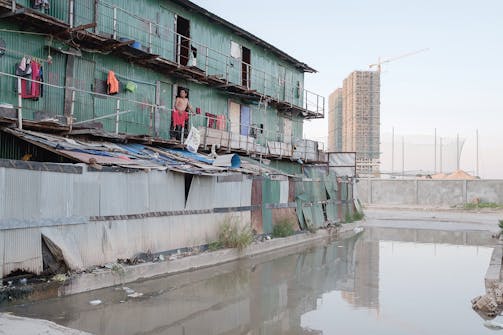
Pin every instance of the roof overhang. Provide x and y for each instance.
(241, 32)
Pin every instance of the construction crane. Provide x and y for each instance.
(380, 61)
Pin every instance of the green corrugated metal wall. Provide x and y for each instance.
(292, 168)
(204, 32)
(18, 45)
(92, 67)
(270, 195)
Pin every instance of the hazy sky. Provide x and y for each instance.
(456, 86)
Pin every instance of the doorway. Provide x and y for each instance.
(245, 67)
(182, 40)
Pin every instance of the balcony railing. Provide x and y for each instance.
(161, 43)
(130, 117)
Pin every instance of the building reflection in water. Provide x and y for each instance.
(261, 295)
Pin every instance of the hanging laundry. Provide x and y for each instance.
(31, 89)
(41, 4)
(212, 120)
(112, 83)
(221, 122)
(24, 67)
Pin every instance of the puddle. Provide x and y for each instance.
(386, 281)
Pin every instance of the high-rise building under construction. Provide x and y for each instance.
(335, 121)
(357, 122)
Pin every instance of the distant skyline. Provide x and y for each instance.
(455, 86)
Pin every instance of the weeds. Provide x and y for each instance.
(230, 236)
(479, 205)
(283, 228)
(358, 216)
(215, 245)
(348, 218)
(500, 224)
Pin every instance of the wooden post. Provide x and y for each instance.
(72, 108)
(95, 17)
(150, 36)
(117, 111)
(19, 105)
(71, 13)
(206, 62)
(115, 23)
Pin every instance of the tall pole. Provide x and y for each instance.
(392, 150)
(477, 152)
(457, 151)
(403, 157)
(440, 158)
(435, 154)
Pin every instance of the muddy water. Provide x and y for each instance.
(385, 281)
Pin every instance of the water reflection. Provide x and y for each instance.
(352, 286)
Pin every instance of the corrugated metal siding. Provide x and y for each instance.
(24, 189)
(57, 9)
(18, 45)
(166, 191)
(54, 74)
(22, 249)
(256, 201)
(35, 194)
(55, 189)
(202, 193)
(86, 195)
(218, 38)
(113, 194)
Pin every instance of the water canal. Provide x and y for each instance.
(383, 281)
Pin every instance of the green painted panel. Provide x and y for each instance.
(332, 214)
(300, 198)
(132, 21)
(331, 187)
(270, 195)
(292, 168)
(17, 46)
(84, 11)
(314, 216)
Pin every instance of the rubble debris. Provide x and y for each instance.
(493, 325)
(60, 277)
(491, 304)
(357, 230)
(128, 290)
(161, 258)
(135, 295)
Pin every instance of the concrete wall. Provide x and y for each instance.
(428, 193)
(97, 217)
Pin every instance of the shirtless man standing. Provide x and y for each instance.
(180, 114)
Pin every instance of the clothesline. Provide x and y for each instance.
(20, 54)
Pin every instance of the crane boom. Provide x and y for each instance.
(388, 60)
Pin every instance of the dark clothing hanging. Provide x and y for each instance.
(31, 89)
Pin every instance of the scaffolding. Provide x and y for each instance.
(335, 121)
(361, 119)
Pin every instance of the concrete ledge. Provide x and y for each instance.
(493, 273)
(14, 325)
(106, 278)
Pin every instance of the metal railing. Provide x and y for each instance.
(149, 36)
(119, 114)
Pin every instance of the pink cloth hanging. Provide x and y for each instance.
(221, 122)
